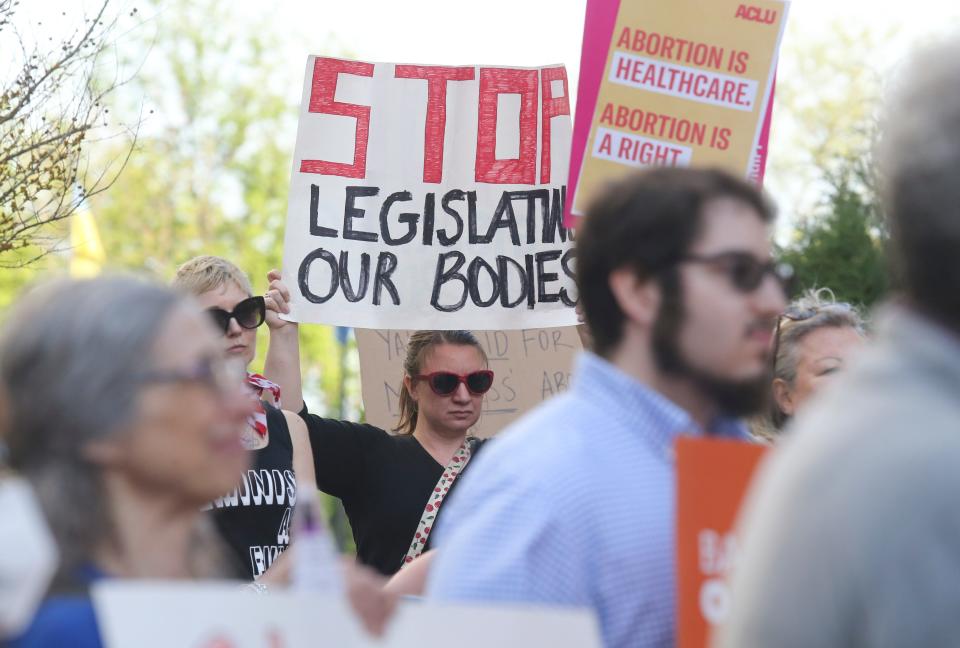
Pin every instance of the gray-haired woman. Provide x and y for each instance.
(126, 418)
(814, 340)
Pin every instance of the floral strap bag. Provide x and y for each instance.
(453, 469)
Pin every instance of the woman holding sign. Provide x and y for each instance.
(392, 485)
(254, 517)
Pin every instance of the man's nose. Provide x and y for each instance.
(770, 298)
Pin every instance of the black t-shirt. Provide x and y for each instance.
(254, 519)
(384, 482)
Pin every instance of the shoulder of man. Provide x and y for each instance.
(550, 436)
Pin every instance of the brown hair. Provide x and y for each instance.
(418, 346)
(646, 221)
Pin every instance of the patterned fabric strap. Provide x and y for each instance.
(450, 474)
(259, 384)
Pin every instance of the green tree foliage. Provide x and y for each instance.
(828, 91)
(211, 171)
(841, 246)
(52, 100)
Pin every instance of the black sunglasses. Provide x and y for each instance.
(250, 313)
(745, 272)
(444, 383)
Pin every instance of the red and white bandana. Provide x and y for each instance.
(259, 384)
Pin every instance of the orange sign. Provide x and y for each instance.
(712, 479)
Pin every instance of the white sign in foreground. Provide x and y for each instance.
(430, 197)
(161, 615)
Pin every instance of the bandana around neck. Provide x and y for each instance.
(259, 385)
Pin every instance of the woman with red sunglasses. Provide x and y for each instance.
(392, 485)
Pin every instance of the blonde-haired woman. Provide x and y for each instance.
(254, 516)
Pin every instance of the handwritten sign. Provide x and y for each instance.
(161, 615)
(432, 196)
(712, 478)
(529, 366)
(31, 559)
(681, 83)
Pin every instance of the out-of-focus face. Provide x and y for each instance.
(186, 441)
(455, 413)
(726, 333)
(821, 354)
(238, 341)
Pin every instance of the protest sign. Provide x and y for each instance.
(673, 83)
(431, 196)
(29, 558)
(529, 366)
(161, 615)
(712, 478)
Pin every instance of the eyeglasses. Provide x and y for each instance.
(444, 383)
(745, 272)
(222, 376)
(797, 314)
(250, 313)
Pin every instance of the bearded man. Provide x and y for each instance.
(574, 504)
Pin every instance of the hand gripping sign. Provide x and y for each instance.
(430, 197)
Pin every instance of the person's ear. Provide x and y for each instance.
(103, 453)
(638, 297)
(408, 385)
(783, 396)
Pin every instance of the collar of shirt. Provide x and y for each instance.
(641, 409)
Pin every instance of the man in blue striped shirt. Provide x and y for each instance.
(574, 504)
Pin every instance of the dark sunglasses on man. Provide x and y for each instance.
(745, 272)
(250, 313)
(444, 383)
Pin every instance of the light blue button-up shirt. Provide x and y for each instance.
(574, 505)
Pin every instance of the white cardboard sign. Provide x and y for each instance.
(28, 555)
(161, 615)
(430, 197)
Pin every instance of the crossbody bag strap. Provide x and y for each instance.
(453, 469)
